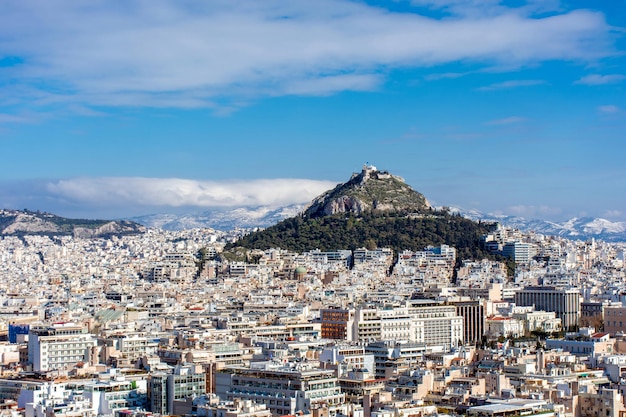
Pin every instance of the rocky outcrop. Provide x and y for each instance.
(27, 224)
(112, 228)
(366, 191)
(343, 204)
(20, 223)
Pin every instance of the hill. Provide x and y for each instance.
(372, 209)
(368, 191)
(397, 230)
(25, 222)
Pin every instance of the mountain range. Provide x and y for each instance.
(583, 228)
(370, 190)
(578, 228)
(221, 218)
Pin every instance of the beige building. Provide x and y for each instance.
(504, 326)
(605, 403)
(615, 320)
(546, 321)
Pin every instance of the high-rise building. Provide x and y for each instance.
(565, 302)
(473, 313)
(336, 323)
(186, 381)
(429, 323)
(436, 324)
(522, 253)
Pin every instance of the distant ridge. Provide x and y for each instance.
(25, 222)
(221, 218)
(577, 228)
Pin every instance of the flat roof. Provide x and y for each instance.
(498, 408)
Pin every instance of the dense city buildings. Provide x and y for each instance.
(161, 324)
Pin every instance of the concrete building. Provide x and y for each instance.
(60, 347)
(520, 252)
(615, 320)
(186, 381)
(564, 302)
(436, 325)
(428, 323)
(598, 343)
(473, 313)
(605, 403)
(284, 390)
(106, 397)
(539, 320)
(504, 326)
(337, 323)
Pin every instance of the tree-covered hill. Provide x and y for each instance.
(393, 229)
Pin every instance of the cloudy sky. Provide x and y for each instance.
(116, 108)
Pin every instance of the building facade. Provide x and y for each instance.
(565, 302)
(60, 347)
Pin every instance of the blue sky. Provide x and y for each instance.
(121, 108)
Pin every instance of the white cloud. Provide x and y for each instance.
(176, 192)
(11, 118)
(506, 121)
(446, 76)
(597, 79)
(511, 84)
(201, 54)
(609, 109)
(22, 117)
(614, 214)
(331, 84)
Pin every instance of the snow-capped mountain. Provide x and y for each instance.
(221, 218)
(582, 228)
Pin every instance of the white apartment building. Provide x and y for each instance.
(134, 346)
(431, 325)
(546, 321)
(116, 394)
(504, 326)
(521, 252)
(349, 357)
(60, 347)
(284, 389)
(436, 324)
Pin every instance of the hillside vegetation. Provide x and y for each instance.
(393, 229)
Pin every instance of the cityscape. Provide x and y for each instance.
(326, 208)
(191, 323)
